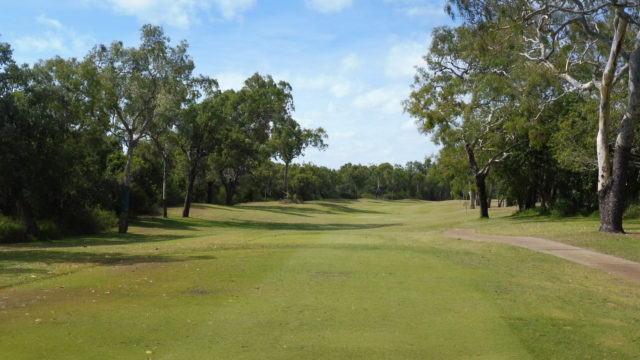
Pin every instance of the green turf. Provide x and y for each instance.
(323, 280)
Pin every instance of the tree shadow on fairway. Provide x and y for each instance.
(262, 225)
(102, 239)
(172, 224)
(287, 210)
(193, 224)
(334, 207)
(30, 261)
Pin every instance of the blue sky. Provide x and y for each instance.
(350, 62)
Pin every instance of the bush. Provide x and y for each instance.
(538, 211)
(49, 230)
(92, 221)
(12, 231)
(632, 212)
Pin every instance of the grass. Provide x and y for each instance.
(324, 280)
(578, 231)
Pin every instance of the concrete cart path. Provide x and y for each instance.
(611, 264)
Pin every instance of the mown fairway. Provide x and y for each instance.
(329, 279)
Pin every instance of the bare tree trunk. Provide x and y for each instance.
(286, 185)
(479, 177)
(611, 196)
(188, 197)
(123, 224)
(165, 174)
(611, 185)
(472, 199)
(229, 188)
(482, 195)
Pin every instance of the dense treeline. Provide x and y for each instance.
(119, 130)
(86, 144)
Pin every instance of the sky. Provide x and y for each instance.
(350, 62)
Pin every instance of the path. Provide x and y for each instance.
(611, 264)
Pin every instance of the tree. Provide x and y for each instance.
(463, 97)
(197, 130)
(136, 82)
(290, 140)
(53, 138)
(591, 46)
(355, 175)
(248, 119)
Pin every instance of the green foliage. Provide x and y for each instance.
(12, 231)
(49, 230)
(632, 212)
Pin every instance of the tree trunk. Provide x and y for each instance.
(472, 199)
(123, 224)
(193, 170)
(611, 197)
(286, 185)
(25, 214)
(165, 174)
(611, 185)
(229, 188)
(482, 195)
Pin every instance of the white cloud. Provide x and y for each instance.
(179, 13)
(48, 42)
(230, 9)
(424, 11)
(329, 6)
(386, 100)
(350, 63)
(403, 58)
(231, 80)
(56, 38)
(44, 20)
(341, 89)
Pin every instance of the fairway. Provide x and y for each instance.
(360, 279)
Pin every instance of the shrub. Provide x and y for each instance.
(91, 221)
(49, 229)
(632, 212)
(12, 231)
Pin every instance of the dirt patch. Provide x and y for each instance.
(611, 264)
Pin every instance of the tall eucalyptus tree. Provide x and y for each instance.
(136, 83)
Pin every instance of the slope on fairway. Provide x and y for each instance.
(330, 279)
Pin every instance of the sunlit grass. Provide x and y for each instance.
(330, 279)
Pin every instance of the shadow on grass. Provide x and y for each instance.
(334, 206)
(106, 238)
(328, 207)
(260, 225)
(27, 257)
(191, 224)
(284, 209)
